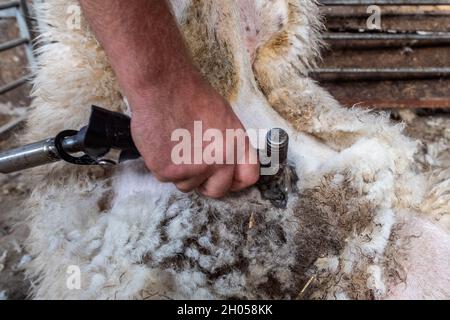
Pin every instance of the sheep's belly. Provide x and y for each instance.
(260, 20)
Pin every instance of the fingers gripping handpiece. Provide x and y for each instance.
(107, 130)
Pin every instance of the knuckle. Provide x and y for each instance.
(250, 175)
(215, 194)
(156, 171)
(161, 178)
(169, 173)
(254, 176)
(183, 189)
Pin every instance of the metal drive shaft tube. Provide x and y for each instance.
(28, 156)
(34, 154)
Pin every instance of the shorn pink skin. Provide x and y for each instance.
(426, 262)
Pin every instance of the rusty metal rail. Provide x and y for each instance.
(429, 103)
(331, 74)
(384, 36)
(9, 4)
(14, 84)
(13, 43)
(384, 2)
(18, 10)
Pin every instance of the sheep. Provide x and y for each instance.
(364, 223)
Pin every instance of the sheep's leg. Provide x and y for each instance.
(283, 54)
(374, 156)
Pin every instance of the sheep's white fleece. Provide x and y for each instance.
(358, 227)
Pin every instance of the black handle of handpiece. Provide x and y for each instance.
(108, 130)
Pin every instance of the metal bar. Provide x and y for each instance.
(29, 18)
(331, 13)
(12, 85)
(22, 17)
(12, 124)
(383, 2)
(330, 74)
(12, 44)
(28, 156)
(428, 103)
(430, 36)
(8, 5)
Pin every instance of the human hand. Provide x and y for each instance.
(161, 109)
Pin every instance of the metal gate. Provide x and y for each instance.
(350, 38)
(19, 10)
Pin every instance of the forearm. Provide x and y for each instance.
(142, 41)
